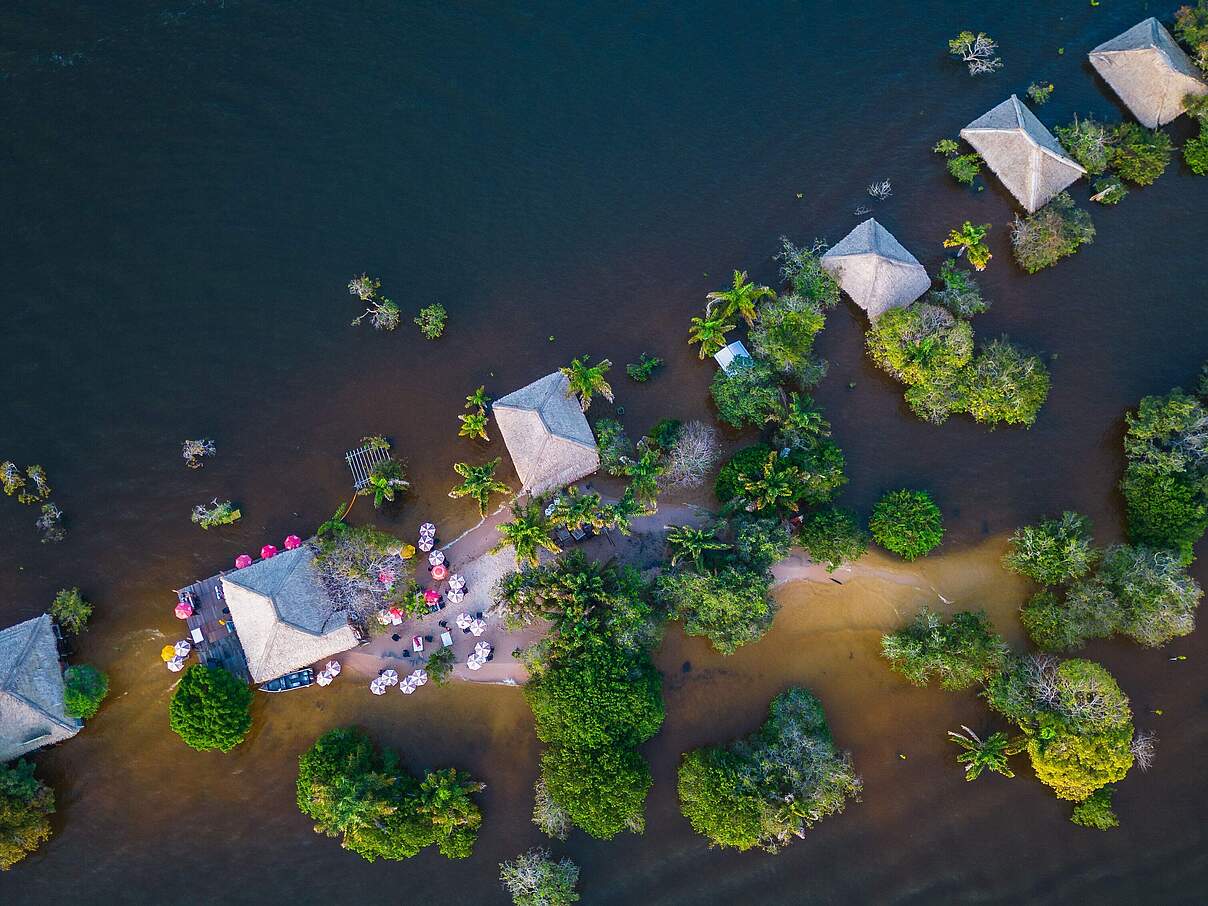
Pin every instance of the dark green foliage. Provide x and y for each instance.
(730, 607)
(784, 338)
(747, 394)
(802, 269)
(612, 445)
(769, 787)
(833, 537)
(1095, 811)
(84, 688)
(1191, 27)
(211, 709)
(1109, 190)
(760, 479)
(908, 523)
(920, 341)
(1089, 142)
(965, 168)
(664, 434)
(961, 294)
(1057, 230)
(959, 653)
(440, 665)
(1195, 153)
(1053, 551)
(758, 543)
(644, 368)
(990, 754)
(604, 790)
(1140, 155)
(70, 610)
(26, 804)
(379, 810)
(1004, 385)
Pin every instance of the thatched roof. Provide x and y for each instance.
(875, 270)
(31, 690)
(1149, 71)
(284, 618)
(1022, 153)
(546, 434)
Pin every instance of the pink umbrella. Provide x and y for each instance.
(431, 596)
(395, 612)
(184, 610)
(439, 572)
(386, 577)
(243, 561)
(292, 542)
(267, 551)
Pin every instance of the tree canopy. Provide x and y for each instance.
(84, 688)
(26, 804)
(1053, 551)
(211, 709)
(908, 523)
(533, 878)
(959, 653)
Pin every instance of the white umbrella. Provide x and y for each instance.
(427, 529)
(482, 649)
(419, 677)
(425, 544)
(183, 647)
(407, 688)
(176, 665)
(464, 620)
(384, 617)
(436, 558)
(377, 687)
(323, 679)
(389, 677)
(478, 627)
(456, 596)
(333, 667)
(456, 581)
(474, 663)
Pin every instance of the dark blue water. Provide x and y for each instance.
(186, 189)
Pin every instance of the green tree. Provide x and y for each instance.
(586, 380)
(445, 800)
(473, 425)
(1095, 811)
(1191, 27)
(479, 483)
(533, 878)
(440, 665)
(644, 472)
(1004, 385)
(691, 543)
(1089, 142)
(833, 537)
(1139, 154)
(478, 399)
(784, 337)
(959, 653)
(603, 790)
(211, 709)
(710, 333)
(716, 801)
(386, 479)
(574, 510)
(1053, 551)
(760, 479)
(742, 298)
(971, 239)
(529, 533)
(70, 610)
(920, 342)
(84, 688)
(26, 804)
(961, 294)
(730, 608)
(747, 394)
(908, 523)
(432, 320)
(613, 445)
(1057, 230)
(989, 754)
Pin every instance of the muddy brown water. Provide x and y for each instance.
(188, 186)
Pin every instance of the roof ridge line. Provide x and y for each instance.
(63, 722)
(20, 659)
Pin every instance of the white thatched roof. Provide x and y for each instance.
(1022, 153)
(31, 690)
(875, 270)
(1149, 72)
(546, 434)
(284, 618)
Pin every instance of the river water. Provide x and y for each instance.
(188, 187)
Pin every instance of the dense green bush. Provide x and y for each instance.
(211, 709)
(1195, 153)
(965, 168)
(920, 341)
(747, 394)
(1058, 229)
(1095, 811)
(767, 788)
(1191, 27)
(377, 808)
(1053, 551)
(730, 607)
(84, 688)
(603, 790)
(959, 653)
(1089, 142)
(613, 445)
(1140, 155)
(1003, 384)
(1108, 190)
(833, 537)
(961, 293)
(70, 610)
(784, 338)
(760, 479)
(802, 270)
(26, 804)
(908, 523)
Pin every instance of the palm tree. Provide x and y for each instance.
(644, 472)
(971, 239)
(686, 541)
(710, 333)
(587, 380)
(528, 533)
(478, 399)
(990, 754)
(798, 418)
(574, 511)
(621, 514)
(740, 299)
(480, 483)
(385, 480)
(779, 484)
(473, 424)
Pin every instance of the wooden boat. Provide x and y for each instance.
(296, 680)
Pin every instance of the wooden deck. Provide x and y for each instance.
(220, 645)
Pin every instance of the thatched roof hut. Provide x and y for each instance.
(1149, 72)
(1022, 153)
(546, 434)
(284, 617)
(31, 690)
(875, 270)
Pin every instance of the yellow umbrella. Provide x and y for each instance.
(167, 652)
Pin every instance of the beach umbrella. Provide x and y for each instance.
(456, 581)
(427, 529)
(431, 596)
(333, 667)
(269, 550)
(457, 595)
(292, 542)
(407, 688)
(482, 649)
(184, 610)
(182, 648)
(478, 627)
(389, 677)
(323, 679)
(464, 620)
(474, 663)
(167, 653)
(425, 544)
(384, 617)
(439, 572)
(419, 677)
(386, 577)
(176, 665)
(377, 687)
(243, 561)
(436, 558)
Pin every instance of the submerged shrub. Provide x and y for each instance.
(920, 341)
(961, 294)
(1089, 142)
(1109, 190)
(1004, 384)
(784, 337)
(959, 653)
(747, 394)
(908, 523)
(1140, 155)
(1195, 153)
(833, 537)
(1095, 811)
(432, 320)
(1055, 231)
(1053, 551)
